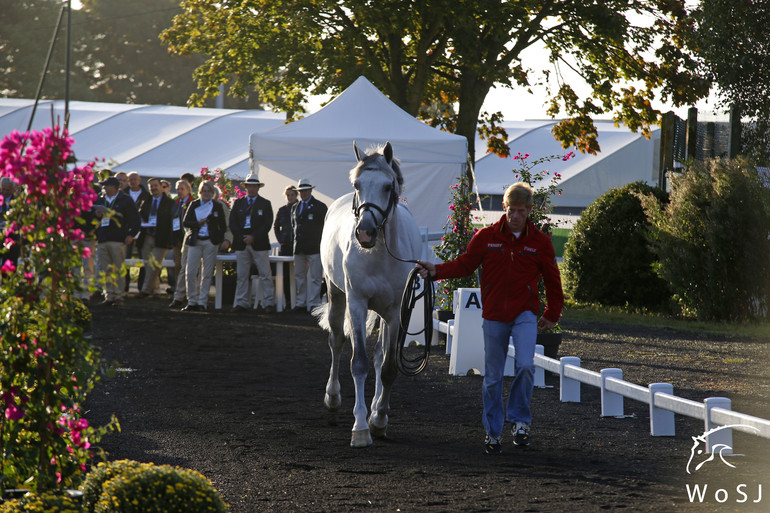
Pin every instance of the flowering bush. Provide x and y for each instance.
(541, 212)
(44, 503)
(46, 364)
(145, 488)
(230, 192)
(458, 232)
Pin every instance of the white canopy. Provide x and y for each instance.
(320, 148)
(153, 140)
(625, 157)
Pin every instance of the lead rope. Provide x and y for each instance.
(413, 366)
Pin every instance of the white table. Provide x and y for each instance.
(280, 299)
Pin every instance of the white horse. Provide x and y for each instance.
(361, 275)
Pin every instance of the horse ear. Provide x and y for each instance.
(388, 152)
(355, 150)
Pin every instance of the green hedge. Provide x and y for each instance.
(607, 259)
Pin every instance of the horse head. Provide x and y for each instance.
(377, 181)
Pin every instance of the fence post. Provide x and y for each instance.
(661, 420)
(449, 324)
(569, 389)
(722, 436)
(612, 402)
(539, 372)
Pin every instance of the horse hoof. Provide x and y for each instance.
(361, 438)
(378, 433)
(332, 403)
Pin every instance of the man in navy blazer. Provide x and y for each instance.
(118, 220)
(307, 220)
(250, 222)
(157, 236)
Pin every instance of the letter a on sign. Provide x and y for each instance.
(473, 302)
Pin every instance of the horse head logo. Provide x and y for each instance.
(698, 451)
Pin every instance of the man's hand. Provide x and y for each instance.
(225, 245)
(544, 324)
(426, 269)
(248, 239)
(129, 240)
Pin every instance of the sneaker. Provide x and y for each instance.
(493, 445)
(176, 304)
(520, 432)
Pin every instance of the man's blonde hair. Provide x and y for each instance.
(520, 193)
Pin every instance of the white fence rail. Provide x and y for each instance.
(714, 411)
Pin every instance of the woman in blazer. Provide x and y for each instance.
(205, 228)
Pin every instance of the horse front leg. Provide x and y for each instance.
(386, 369)
(359, 369)
(336, 319)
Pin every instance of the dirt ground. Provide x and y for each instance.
(238, 397)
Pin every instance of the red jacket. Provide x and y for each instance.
(510, 271)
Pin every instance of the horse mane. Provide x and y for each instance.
(372, 153)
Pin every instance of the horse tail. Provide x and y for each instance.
(320, 313)
(371, 322)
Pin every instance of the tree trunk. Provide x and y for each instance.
(473, 92)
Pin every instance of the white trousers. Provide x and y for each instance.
(261, 259)
(201, 259)
(308, 274)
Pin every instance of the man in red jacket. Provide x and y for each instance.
(513, 255)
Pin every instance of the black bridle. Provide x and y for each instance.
(366, 206)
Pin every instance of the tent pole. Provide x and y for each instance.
(45, 68)
(67, 66)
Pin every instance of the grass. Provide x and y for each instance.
(610, 314)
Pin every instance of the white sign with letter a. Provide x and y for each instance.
(468, 340)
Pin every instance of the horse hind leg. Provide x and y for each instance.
(335, 317)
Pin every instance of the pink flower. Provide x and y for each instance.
(86, 252)
(7, 267)
(13, 412)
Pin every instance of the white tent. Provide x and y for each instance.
(320, 148)
(625, 157)
(153, 140)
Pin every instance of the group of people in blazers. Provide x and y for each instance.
(196, 230)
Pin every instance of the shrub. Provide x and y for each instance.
(712, 240)
(94, 482)
(146, 488)
(607, 259)
(44, 503)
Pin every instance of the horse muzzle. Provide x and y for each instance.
(366, 233)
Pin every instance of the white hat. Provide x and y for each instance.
(304, 184)
(253, 180)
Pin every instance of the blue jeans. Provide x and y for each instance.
(496, 336)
